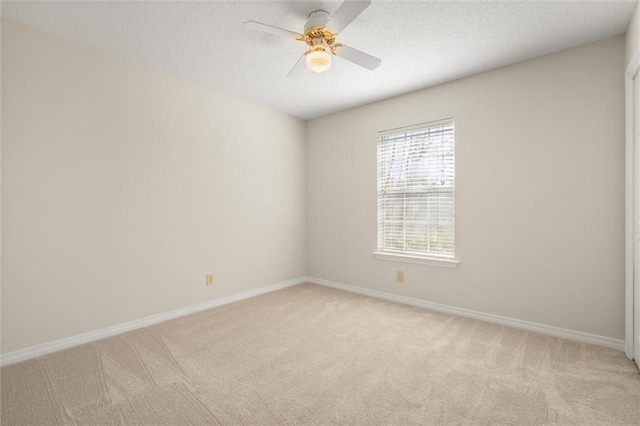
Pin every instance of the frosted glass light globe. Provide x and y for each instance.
(318, 61)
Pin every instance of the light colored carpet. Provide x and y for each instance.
(314, 355)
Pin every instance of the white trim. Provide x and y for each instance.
(433, 261)
(632, 71)
(564, 333)
(68, 342)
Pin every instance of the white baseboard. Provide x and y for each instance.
(57, 345)
(564, 333)
(68, 342)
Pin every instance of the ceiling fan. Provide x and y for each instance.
(320, 33)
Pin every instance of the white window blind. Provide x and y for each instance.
(416, 190)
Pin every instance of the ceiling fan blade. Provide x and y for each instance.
(271, 29)
(346, 13)
(298, 68)
(357, 57)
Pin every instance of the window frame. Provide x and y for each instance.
(432, 259)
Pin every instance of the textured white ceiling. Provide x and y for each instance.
(420, 43)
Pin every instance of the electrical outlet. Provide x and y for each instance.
(399, 276)
(209, 279)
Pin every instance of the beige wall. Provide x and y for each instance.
(124, 186)
(539, 195)
(633, 36)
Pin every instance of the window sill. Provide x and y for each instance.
(432, 261)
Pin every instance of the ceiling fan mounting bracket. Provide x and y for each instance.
(318, 13)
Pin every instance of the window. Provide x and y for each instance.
(416, 194)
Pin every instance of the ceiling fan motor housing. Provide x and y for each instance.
(317, 19)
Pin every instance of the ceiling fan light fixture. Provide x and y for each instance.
(318, 60)
(319, 34)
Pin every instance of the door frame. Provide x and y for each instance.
(631, 188)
